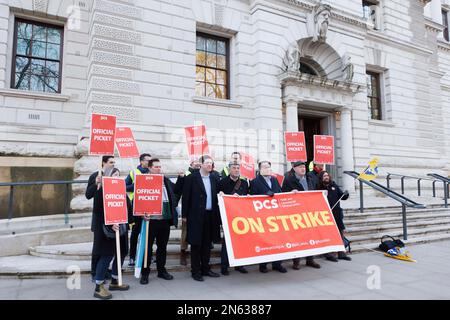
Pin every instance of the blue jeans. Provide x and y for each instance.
(102, 267)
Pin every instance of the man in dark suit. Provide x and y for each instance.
(200, 208)
(296, 179)
(266, 184)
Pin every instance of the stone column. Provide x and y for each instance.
(292, 116)
(347, 148)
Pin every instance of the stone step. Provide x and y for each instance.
(386, 227)
(381, 220)
(398, 233)
(357, 248)
(82, 251)
(31, 267)
(393, 212)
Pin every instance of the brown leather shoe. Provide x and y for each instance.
(311, 263)
(183, 258)
(102, 293)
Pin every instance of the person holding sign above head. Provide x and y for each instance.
(159, 226)
(142, 168)
(313, 172)
(235, 157)
(233, 184)
(266, 184)
(297, 180)
(200, 208)
(334, 195)
(104, 245)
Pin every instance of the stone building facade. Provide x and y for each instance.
(373, 73)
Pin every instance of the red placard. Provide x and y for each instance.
(197, 142)
(125, 143)
(261, 229)
(279, 177)
(103, 130)
(324, 149)
(295, 146)
(247, 166)
(114, 200)
(148, 194)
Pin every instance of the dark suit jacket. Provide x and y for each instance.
(259, 186)
(194, 207)
(291, 183)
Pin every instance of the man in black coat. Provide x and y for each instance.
(266, 184)
(159, 227)
(200, 208)
(334, 195)
(296, 179)
(232, 184)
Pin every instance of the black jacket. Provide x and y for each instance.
(334, 194)
(194, 207)
(102, 244)
(228, 186)
(173, 200)
(259, 186)
(291, 183)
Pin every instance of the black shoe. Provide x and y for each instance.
(263, 269)
(330, 257)
(343, 256)
(225, 272)
(165, 275)
(144, 280)
(211, 274)
(280, 269)
(197, 277)
(241, 269)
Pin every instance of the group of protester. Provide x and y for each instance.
(197, 189)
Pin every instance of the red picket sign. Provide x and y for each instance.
(197, 142)
(324, 149)
(114, 200)
(103, 131)
(247, 166)
(125, 143)
(295, 146)
(148, 194)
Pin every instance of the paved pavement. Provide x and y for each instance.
(429, 278)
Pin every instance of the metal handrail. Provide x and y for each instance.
(405, 202)
(446, 182)
(419, 179)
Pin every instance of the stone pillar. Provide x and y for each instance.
(112, 88)
(347, 148)
(292, 116)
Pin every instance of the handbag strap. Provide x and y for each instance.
(386, 236)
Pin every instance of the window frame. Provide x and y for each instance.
(18, 20)
(378, 76)
(227, 63)
(445, 32)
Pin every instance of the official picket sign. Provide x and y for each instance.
(295, 146)
(247, 166)
(103, 131)
(197, 142)
(323, 149)
(125, 143)
(148, 194)
(289, 225)
(114, 200)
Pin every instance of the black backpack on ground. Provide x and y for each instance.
(389, 244)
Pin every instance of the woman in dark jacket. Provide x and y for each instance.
(104, 246)
(334, 194)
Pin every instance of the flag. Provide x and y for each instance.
(371, 171)
(140, 251)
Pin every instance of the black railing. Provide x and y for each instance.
(418, 179)
(67, 184)
(405, 202)
(446, 182)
